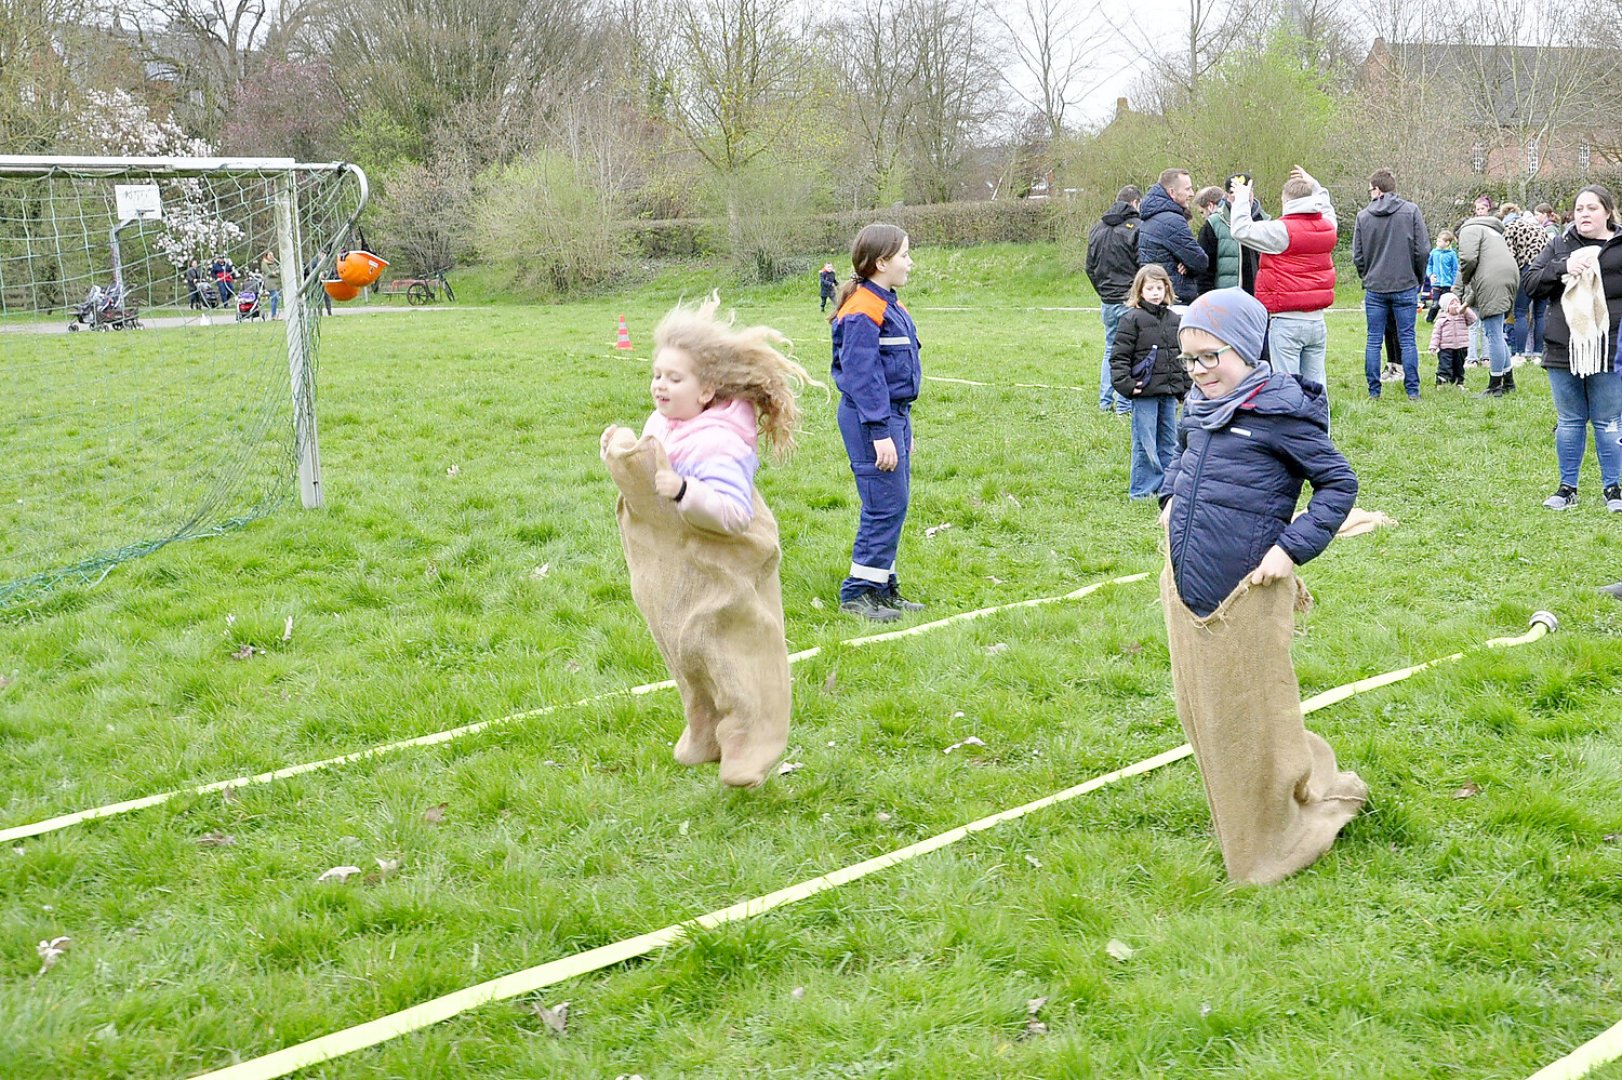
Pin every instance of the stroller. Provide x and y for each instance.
(104, 309)
(248, 305)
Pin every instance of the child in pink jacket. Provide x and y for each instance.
(1450, 339)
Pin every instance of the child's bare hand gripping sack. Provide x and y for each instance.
(1249, 438)
(701, 544)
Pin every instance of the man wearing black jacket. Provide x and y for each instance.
(1112, 263)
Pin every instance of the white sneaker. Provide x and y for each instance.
(1563, 499)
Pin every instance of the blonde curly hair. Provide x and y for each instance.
(741, 364)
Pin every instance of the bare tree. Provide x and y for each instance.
(1327, 36)
(213, 46)
(955, 90)
(1209, 32)
(415, 61)
(1059, 60)
(37, 82)
(735, 85)
(1529, 74)
(878, 68)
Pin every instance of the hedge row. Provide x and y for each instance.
(962, 224)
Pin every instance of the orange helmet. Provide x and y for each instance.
(360, 268)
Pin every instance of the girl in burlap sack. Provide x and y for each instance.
(1249, 437)
(700, 542)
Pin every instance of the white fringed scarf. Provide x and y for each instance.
(1589, 320)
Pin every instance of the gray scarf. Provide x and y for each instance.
(1213, 414)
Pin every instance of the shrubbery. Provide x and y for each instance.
(546, 226)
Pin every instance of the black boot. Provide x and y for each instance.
(869, 604)
(1509, 381)
(1495, 387)
(892, 597)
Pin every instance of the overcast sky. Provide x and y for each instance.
(1159, 23)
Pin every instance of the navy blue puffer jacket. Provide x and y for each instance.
(1233, 490)
(1165, 238)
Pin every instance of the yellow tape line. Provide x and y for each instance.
(1602, 1048)
(339, 1043)
(431, 1012)
(38, 828)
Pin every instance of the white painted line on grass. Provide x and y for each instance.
(1601, 1049)
(38, 828)
(339, 1043)
(1021, 385)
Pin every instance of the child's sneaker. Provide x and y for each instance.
(870, 605)
(1613, 499)
(1563, 499)
(1391, 373)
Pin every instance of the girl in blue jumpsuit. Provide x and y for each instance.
(876, 367)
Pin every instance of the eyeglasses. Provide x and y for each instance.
(1204, 360)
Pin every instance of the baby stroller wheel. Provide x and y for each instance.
(73, 328)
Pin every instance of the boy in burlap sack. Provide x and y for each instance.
(700, 542)
(1249, 437)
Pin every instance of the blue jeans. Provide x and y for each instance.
(884, 496)
(275, 302)
(1107, 397)
(1530, 315)
(1377, 308)
(1154, 443)
(1299, 346)
(1578, 404)
(1492, 329)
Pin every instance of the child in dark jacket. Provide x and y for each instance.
(1144, 370)
(1250, 437)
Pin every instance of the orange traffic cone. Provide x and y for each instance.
(624, 341)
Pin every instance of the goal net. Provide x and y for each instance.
(158, 339)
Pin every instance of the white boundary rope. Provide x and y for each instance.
(1601, 1049)
(326, 1047)
(64, 821)
(1022, 385)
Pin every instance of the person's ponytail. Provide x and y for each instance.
(841, 294)
(874, 242)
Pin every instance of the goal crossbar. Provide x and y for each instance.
(40, 165)
(307, 245)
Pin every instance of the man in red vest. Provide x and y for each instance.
(1295, 279)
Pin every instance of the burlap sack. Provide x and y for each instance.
(1277, 799)
(715, 607)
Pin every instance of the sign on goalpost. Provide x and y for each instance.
(139, 202)
(191, 410)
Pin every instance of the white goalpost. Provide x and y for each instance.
(162, 425)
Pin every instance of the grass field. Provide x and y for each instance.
(1441, 937)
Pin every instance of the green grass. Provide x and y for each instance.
(1440, 937)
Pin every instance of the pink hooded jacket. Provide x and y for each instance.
(717, 453)
(1452, 331)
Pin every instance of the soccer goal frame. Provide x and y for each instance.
(300, 311)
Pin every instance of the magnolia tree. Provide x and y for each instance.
(115, 124)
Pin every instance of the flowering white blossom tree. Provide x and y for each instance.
(115, 124)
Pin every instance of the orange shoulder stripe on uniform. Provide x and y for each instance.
(864, 302)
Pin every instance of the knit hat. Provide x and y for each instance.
(1233, 317)
(1445, 299)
